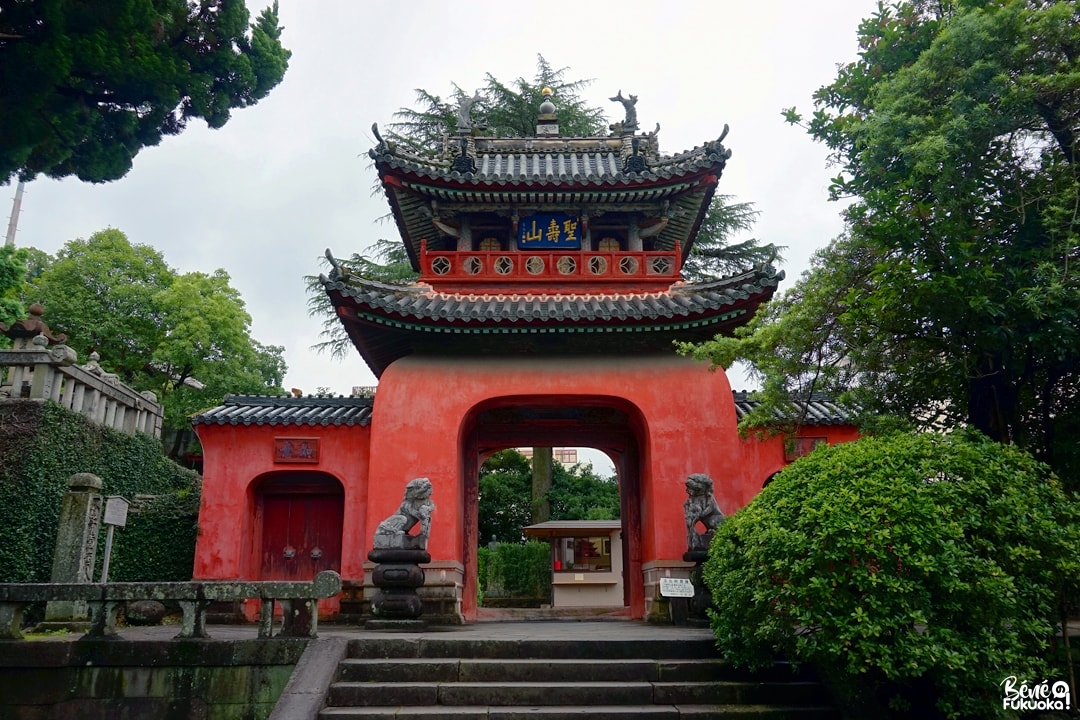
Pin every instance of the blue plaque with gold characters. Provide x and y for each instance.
(549, 231)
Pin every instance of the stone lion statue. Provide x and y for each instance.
(700, 507)
(415, 509)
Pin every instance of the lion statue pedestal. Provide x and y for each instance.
(398, 575)
(700, 509)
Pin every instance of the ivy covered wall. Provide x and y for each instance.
(41, 446)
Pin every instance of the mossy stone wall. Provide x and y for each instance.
(42, 445)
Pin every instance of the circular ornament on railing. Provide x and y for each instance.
(504, 265)
(598, 265)
(660, 266)
(534, 265)
(628, 265)
(566, 265)
(473, 265)
(440, 265)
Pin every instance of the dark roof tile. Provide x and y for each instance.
(681, 300)
(285, 411)
(820, 410)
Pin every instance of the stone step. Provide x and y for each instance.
(432, 677)
(534, 670)
(428, 647)
(502, 693)
(592, 712)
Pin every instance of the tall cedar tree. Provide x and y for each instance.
(84, 86)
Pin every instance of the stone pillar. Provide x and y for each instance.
(76, 544)
(696, 608)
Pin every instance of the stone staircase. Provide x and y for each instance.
(442, 678)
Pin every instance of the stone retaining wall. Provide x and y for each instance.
(178, 679)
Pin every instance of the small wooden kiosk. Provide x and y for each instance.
(586, 561)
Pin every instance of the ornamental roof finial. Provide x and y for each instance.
(547, 107)
(547, 123)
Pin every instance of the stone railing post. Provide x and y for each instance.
(76, 545)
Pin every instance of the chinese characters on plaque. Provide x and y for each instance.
(549, 231)
(296, 450)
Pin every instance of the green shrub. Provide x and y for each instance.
(914, 569)
(41, 446)
(515, 570)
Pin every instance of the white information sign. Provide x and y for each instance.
(676, 587)
(116, 509)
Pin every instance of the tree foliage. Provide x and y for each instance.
(502, 110)
(12, 273)
(158, 330)
(912, 567)
(953, 297)
(505, 506)
(714, 254)
(578, 493)
(85, 86)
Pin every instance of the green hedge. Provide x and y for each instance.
(515, 570)
(41, 446)
(918, 571)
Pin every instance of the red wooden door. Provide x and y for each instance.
(301, 523)
(301, 535)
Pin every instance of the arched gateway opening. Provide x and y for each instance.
(610, 424)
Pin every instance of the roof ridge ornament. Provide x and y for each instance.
(383, 146)
(636, 162)
(630, 123)
(716, 147)
(465, 124)
(547, 122)
(464, 162)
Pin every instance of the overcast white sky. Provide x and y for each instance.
(285, 179)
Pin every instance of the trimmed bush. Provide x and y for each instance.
(916, 570)
(515, 571)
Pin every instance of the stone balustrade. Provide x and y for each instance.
(298, 601)
(35, 371)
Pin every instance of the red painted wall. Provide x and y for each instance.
(687, 411)
(683, 415)
(236, 457)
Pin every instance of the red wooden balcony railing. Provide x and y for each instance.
(550, 267)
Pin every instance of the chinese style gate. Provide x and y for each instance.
(548, 299)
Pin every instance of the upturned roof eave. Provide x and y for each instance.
(380, 318)
(437, 176)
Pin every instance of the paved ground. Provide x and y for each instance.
(546, 630)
